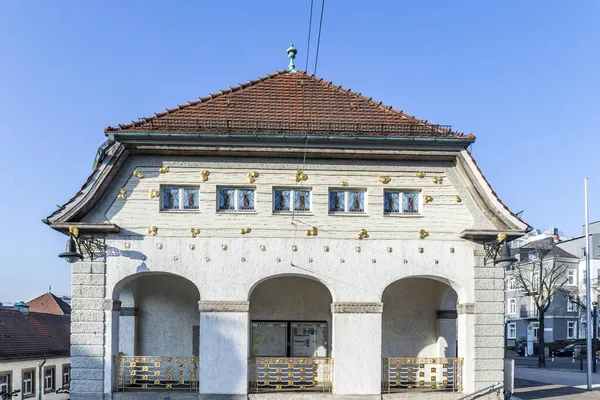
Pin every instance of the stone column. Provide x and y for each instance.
(466, 337)
(447, 333)
(489, 322)
(87, 329)
(356, 349)
(223, 359)
(112, 309)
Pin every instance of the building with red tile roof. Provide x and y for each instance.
(48, 303)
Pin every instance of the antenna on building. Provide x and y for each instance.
(49, 288)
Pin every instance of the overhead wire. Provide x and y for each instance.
(319, 37)
(309, 33)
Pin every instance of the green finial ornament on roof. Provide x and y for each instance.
(291, 52)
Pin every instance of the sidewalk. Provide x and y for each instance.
(574, 379)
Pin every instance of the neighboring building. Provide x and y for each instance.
(48, 303)
(34, 353)
(576, 246)
(285, 234)
(561, 318)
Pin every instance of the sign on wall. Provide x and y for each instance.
(269, 339)
(309, 339)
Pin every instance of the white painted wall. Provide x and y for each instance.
(167, 312)
(127, 324)
(16, 368)
(410, 324)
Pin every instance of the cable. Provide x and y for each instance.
(309, 29)
(319, 37)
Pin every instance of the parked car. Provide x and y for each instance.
(570, 350)
(521, 349)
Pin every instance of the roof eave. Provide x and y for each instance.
(126, 137)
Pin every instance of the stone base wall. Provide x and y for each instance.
(87, 330)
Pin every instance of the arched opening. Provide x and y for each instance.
(419, 335)
(156, 332)
(290, 335)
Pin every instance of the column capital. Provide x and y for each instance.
(223, 306)
(112, 305)
(465, 308)
(356, 308)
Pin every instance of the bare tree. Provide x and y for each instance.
(541, 278)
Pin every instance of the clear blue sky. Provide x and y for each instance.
(522, 75)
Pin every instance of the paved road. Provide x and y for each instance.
(558, 363)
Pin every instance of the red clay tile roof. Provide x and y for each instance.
(33, 335)
(49, 304)
(288, 102)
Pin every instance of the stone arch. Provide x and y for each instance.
(415, 320)
(311, 277)
(290, 300)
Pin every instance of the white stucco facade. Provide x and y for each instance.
(190, 283)
(39, 388)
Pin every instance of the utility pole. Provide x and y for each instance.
(588, 291)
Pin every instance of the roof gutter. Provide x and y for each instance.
(134, 136)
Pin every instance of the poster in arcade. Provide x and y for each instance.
(269, 339)
(309, 339)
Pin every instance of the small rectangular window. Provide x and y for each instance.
(5, 378)
(571, 306)
(571, 277)
(571, 330)
(28, 388)
(49, 379)
(350, 201)
(401, 202)
(512, 331)
(66, 375)
(288, 200)
(235, 199)
(512, 283)
(512, 306)
(180, 198)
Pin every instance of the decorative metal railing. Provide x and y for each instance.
(402, 373)
(268, 374)
(155, 373)
(189, 124)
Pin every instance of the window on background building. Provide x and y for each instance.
(512, 306)
(512, 283)
(5, 382)
(401, 202)
(571, 277)
(571, 306)
(571, 330)
(66, 375)
(28, 388)
(49, 373)
(347, 201)
(291, 200)
(512, 331)
(235, 199)
(180, 198)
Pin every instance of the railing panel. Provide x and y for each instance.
(268, 374)
(156, 373)
(404, 373)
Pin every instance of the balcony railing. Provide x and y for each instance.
(267, 374)
(400, 373)
(156, 373)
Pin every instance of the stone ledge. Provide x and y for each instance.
(465, 308)
(356, 308)
(223, 306)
